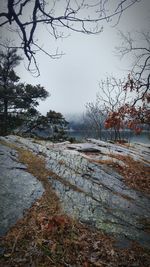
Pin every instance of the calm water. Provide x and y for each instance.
(144, 137)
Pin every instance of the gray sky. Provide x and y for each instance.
(73, 79)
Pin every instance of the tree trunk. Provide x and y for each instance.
(5, 116)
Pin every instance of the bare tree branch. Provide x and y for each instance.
(139, 53)
(80, 16)
(109, 99)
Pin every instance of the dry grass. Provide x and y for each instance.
(46, 237)
(136, 174)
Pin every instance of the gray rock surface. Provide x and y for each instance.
(94, 193)
(18, 189)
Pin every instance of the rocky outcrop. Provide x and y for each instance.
(137, 151)
(18, 188)
(95, 193)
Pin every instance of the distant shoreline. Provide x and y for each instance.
(128, 135)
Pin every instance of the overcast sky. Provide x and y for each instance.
(73, 79)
